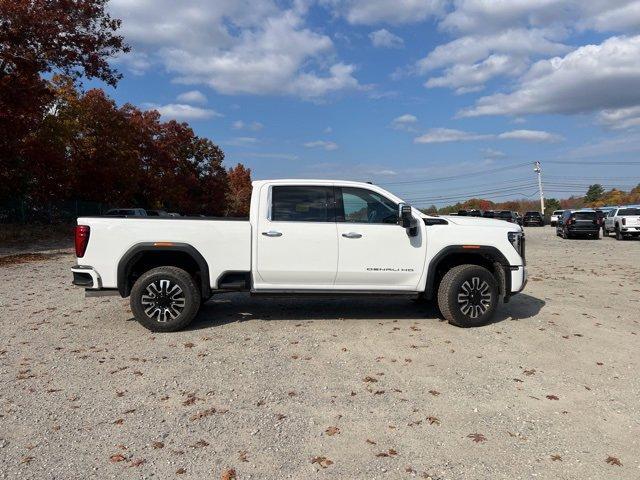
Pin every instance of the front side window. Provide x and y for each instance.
(302, 204)
(358, 205)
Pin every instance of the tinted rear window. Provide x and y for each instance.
(558, 212)
(302, 204)
(503, 214)
(629, 211)
(584, 215)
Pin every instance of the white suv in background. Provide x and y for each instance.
(555, 216)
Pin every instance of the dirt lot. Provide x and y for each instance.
(328, 388)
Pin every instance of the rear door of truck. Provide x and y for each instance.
(297, 245)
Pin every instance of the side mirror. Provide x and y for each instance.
(404, 215)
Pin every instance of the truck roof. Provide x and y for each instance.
(315, 181)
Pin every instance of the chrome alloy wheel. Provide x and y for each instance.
(474, 297)
(163, 301)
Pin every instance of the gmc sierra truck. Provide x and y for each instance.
(623, 221)
(303, 237)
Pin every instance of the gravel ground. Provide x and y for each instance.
(303, 388)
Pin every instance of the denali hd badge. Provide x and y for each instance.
(388, 269)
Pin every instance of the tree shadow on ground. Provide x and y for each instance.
(238, 307)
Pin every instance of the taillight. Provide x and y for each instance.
(82, 239)
(624, 221)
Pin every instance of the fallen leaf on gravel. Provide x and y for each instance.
(371, 442)
(435, 393)
(552, 397)
(332, 431)
(378, 392)
(242, 455)
(189, 345)
(137, 462)
(477, 437)
(369, 379)
(26, 459)
(528, 373)
(324, 462)
(228, 474)
(556, 458)
(157, 445)
(119, 421)
(118, 457)
(180, 471)
(204, 413)
(280, 416)
(433, 420)
(614, 461)
(599, 364)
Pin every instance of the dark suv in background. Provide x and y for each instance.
(578, 223)
(533, 219)
(507, 215)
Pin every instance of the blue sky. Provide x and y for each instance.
(404, 93)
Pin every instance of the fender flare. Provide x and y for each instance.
(135, 252)
(492, 254)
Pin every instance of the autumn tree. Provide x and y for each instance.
(40, 38)
(239, 194)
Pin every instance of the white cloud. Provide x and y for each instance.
(621, 118)
(591, 78)
(405, 122)
(385, 39)
(370, 12)
(192, 96)
(242, 141)
(492, 154)
(468, 78)
(236, 47)
(607, 146)
(530, 136)
(445, 135)
(253, 126)
(322, 144)
(179, 111)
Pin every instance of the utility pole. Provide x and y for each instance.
(538, 170)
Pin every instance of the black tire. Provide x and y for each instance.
(605, 232)
(619, 235)
(468, 296)
(158, 306)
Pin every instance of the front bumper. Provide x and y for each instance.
(518, 279)
(86, 277)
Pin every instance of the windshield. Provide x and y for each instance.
(629, 211)
(558, 212)
(504, 214)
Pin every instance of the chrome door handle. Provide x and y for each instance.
(352, 235)
(272, 233)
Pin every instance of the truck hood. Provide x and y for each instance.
(478, 222)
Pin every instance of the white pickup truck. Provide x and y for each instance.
(623, 221)
(302, 237)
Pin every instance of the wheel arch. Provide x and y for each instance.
(485, 256)
(144, 256)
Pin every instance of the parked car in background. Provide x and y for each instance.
(157, 213)
(623, 221)
(489, 214)
(578, 223)
(533, 219)
(518, 218)
(555, 216)
(508, 215)
(126, 212)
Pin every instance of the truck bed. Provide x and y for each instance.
(225, 243)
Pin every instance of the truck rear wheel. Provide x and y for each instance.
(468, 296)
(165, 299)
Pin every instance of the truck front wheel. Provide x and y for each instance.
(468, 296)
(165, 299)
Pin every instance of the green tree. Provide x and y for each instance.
(551, 204)
(594, 192)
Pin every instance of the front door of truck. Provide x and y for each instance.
(297, 245)
(375, 253)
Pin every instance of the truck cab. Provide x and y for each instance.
(303, 237)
